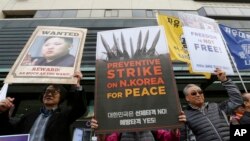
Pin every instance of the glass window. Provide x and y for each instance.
(125, 13)
(55, 14)
(69, 13)
(149, 13)
(83, 13)
(42, 14)
(97, 13)
(139, 13)
(111, 13)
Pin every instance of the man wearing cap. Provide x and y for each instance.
(51, 122)
(208, 121)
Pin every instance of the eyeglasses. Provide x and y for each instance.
(51, 91)
(194, 93)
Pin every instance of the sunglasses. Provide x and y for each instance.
(194, 93)
(51, 91)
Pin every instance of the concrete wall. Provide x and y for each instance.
(18, 6)
(109, 4)
(2, 4)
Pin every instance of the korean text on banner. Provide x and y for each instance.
(176, 41)
(238, 43)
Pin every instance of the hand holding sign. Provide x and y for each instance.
(220, 74)
(6, 104)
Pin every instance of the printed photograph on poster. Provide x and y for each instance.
(50, 54)
(123, 47)
(52, 51)
(138, 90)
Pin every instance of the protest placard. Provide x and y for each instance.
(205, 44)
(51, 55)
(135, 85)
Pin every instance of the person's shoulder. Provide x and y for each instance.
(40, 61)
(69, 56)
(65, 61)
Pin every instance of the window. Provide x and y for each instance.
(111, 13)
(97, 13)
(225, 12)
(19, 13)
(139, 13)
(83, 13)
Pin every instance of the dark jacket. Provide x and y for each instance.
(5, 126)
(58, 126)
(245, 119)
(211, 124)
(64, 61)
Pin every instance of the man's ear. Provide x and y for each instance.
(187, 99)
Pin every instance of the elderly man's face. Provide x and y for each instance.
(195, 96)
(51, 97)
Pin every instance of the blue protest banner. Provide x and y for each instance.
(238, 43)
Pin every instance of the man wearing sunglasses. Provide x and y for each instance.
(208, 121)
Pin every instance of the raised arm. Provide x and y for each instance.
(78, 100)
(235, 98)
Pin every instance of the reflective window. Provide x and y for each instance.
(42, 14)
(69, 13)
(55, 14)
(125, 13)
(83, 13)
(111, 13)
(97, 13)
(139, 13)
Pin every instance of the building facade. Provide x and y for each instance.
(19, 18)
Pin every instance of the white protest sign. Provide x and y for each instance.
(205, 45)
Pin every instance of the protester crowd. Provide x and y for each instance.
(205, 121)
